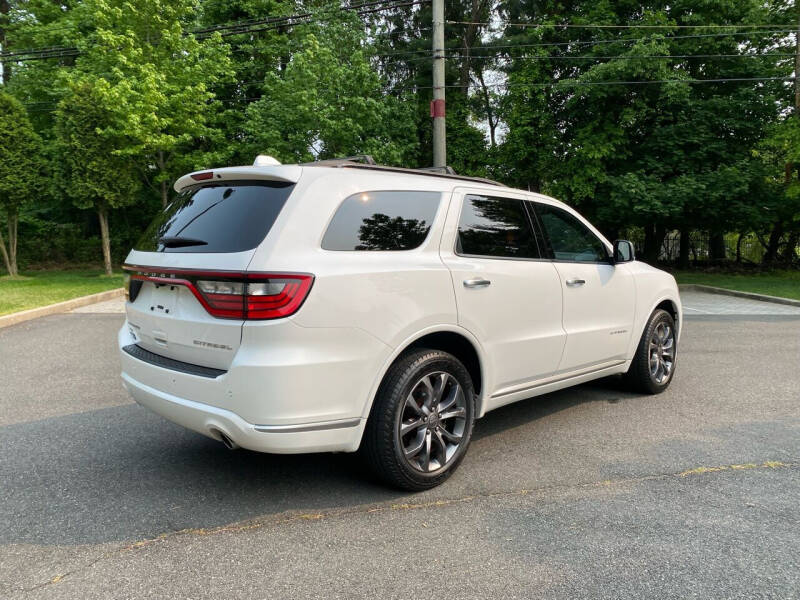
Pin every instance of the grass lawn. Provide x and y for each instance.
(40, 288)
(776, 283)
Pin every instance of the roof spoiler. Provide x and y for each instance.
(273, 172)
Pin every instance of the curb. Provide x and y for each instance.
(692, 287)
(60, 307)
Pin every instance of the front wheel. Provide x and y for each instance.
(421, 421)
(653, 364)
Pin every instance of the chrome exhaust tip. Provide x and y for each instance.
(228, 442)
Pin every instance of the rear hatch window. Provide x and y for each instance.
(230, 216)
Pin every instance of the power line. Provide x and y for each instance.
(64, 52)
(602, 26)
(639, 39)
(48, 27)
(305, 18)
(599, 42)
(251, 26)
(567, 82)
(274, 19)
(618, 57)
(561, 82)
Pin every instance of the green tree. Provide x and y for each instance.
(328, 101)
(95, 173)
(160, 79)
(20, 171)
(654, 155)
(252, 56)
(402, 41)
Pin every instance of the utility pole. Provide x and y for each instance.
(437, 105)
(796, 66)
(5, 70)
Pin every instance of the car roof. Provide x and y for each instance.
(267, 168)
(441, 180)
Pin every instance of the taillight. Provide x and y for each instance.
(225, 298)
(251, 296)
(276, 296)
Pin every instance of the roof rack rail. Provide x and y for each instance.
(446, 170)
(365, 161)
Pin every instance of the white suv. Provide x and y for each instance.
(339, 306)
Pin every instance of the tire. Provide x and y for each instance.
(429, 394)
(653, 365)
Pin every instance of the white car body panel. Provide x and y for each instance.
(306, 382)
(598, 315)
(517, 316)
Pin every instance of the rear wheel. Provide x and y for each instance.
(421, 421)
(653, 364)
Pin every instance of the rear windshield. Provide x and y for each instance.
(233, 216)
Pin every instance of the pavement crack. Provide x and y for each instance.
(295, 517)
(61, 576)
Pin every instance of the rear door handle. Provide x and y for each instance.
(575, 282)
(476, 283)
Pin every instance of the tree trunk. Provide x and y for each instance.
(487, 99)
(739, 248)
(790, 250)
(683, 253)
(467, 42)
(649, 243)
(164, 195)
(162, 167)
(5, 254)
(653, 238)
(102, 213)
(13, 225)
(661, 232)
(716, 242)
(774, 243)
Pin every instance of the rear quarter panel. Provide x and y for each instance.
(391, 296)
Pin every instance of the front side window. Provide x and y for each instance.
(382, 221)
(569, 238)
(496, 227)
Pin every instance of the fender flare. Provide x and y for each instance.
(403, 346)
(667, 296)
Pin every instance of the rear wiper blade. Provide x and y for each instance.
(180, 242)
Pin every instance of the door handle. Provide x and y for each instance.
(476, 283)
(575, 282)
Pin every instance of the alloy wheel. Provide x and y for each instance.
(432, 422)
(662, 352)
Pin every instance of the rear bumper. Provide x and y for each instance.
(328, 436)
(284, 396)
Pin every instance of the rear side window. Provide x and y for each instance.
(498, 227)
(382, 221)
(221, 217)
(569, 238)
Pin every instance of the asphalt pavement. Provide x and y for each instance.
(591, 492)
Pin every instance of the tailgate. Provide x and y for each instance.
(186, 272)
(168, 318)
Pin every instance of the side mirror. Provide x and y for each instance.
(623, 251)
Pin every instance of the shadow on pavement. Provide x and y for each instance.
(122, 473)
